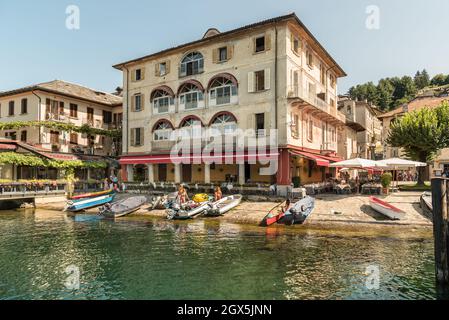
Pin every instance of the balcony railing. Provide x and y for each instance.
(60, 117)
(297, 92)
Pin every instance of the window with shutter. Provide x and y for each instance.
(24, 106)
(260, 80)
(267, 79)
(251, 87)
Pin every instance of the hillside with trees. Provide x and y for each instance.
(390, 93)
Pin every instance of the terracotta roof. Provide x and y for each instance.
(416, 104)
(291, 16)
(70, 90)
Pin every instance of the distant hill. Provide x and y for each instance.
(389, 93)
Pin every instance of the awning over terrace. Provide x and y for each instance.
(225, 158)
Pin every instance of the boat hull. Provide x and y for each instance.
(89, 203)
(426, 205)
(386, 209)
(185, 214)
(299, 212)
(124, 207)
(223, 206)
(92, 195)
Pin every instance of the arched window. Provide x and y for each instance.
(223, 90)
(162, 131)
(190, 96)
(191, 127)
(226, 123)
(192, 63)
(162, 99)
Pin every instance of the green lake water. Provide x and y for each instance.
(140, 258)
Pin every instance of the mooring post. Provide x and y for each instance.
(440, 193)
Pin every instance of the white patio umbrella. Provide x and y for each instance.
(357, 163)
(396, 164)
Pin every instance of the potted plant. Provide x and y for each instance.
(296, 182)
(385, 180)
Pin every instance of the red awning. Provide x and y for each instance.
(332, 159)
(4, 146)
(224, 158)
(320, 161)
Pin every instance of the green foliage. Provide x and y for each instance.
(296, 182)
(21, 159)
(422, 79)
(390, 93)
(440, 80)
(68, 127)
(386, 179)
(421, 133)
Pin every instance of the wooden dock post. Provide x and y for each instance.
(440, 201)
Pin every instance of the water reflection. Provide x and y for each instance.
(202, 259)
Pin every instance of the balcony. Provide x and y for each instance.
(95, 123)
(59, 117)
(311, 102)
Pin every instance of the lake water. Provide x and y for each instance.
(141, 258)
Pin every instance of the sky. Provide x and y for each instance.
(36, 46)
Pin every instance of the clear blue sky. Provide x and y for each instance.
(36, 46)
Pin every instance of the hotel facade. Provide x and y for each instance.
(271, 76)
(64, 103)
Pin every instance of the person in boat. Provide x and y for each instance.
(285, 207)
(182, 197)
(218, 195)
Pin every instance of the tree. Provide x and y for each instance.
(385, 91)
(421, 134)
(422, 79)
(439, 80)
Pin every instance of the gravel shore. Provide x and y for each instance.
(333, 214)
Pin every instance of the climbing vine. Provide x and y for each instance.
(68, 127)
(33, 161)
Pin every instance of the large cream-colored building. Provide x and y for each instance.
(271, 75)
(63, 102)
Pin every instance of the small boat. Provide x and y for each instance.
(186, 211)
(123, 207)
(224, 205)
(299, 212)
(92, 195)
(426, 204)
(386, 209)
(89, 203)
(272, 217)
